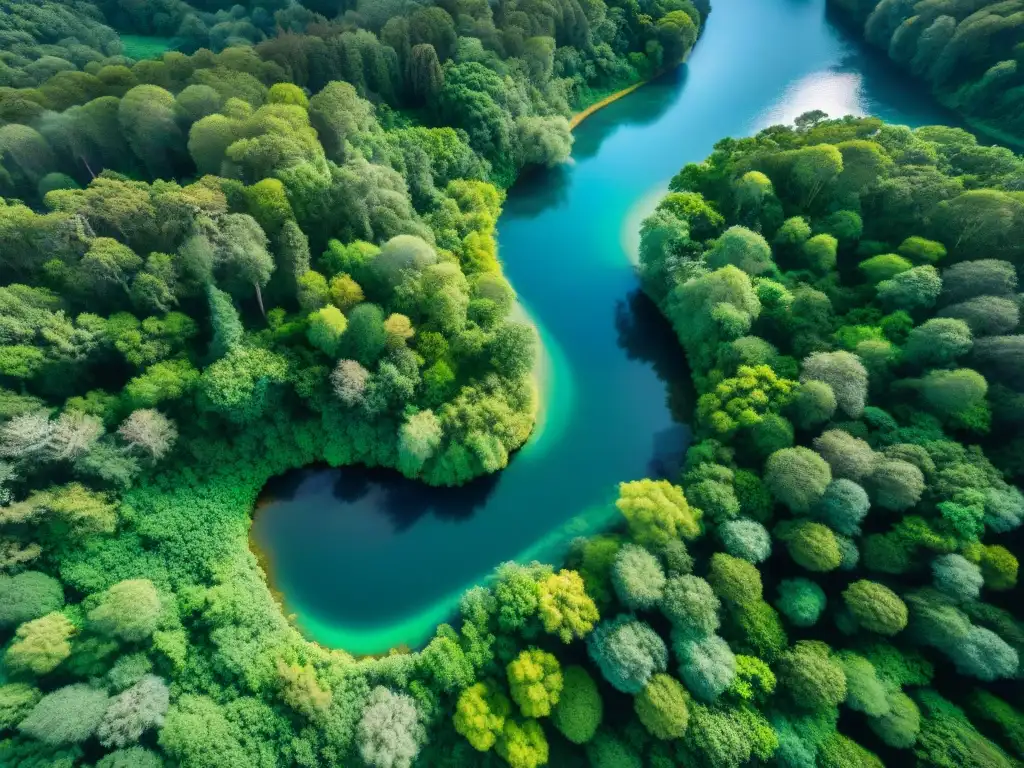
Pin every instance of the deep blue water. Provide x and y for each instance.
(367, 560)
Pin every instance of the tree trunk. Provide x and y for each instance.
(259, 300)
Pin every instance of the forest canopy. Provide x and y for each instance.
(237, 239)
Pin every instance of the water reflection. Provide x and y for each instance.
(646, 105)
(357, 491)
(644, 334)
(538, 190)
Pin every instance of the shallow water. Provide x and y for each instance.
(367, 560)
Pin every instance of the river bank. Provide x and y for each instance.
(368, 560)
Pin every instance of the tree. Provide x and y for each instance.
(16, 701)
(656, 511)
(797, 477)
(815, 403)
(577, 715)
(535, 680)
(917, 288)
(884, 267)
(325, 329)
(132, 757)
(735, 581)
(813, 169)
(107, 266)
(985, 655)
(844, 373)
(819, 253)
(544, 141)
(349, 380)
(628, 652)
(149, 432)
(801, 601)
(418, 439)
(69, 715)
(129, 610)
(811, 677)
(523, 745)
(706, 664)
(197, 734)
(241, 247)
(340, 117)
(848, 457)
(843, 507)
(133, 712)
(148, 118)
(28, 595)
(741, 248)
(662, 707)
(389, 734)
(365, 338)
(690, 604)
(999, 567)
(982, 277)
(345, 292)
(425, 78)
(227, 325)
(920, 250)
(986, 315)
(517, 594)
(238, 385)
(865, 692)
(637, 577)
(875, 607)
(746, 539)
(564, 606)
(677, 32)
(958, 577)
(895, 484)
(710, 309)
(40, 645)
(938, 342)
(812, 546)
(312, 291)
(480, 714)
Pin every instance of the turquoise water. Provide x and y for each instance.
(367, 560)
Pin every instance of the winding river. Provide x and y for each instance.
(366, 560)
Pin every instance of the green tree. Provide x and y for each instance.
(875, 607)
(69, 715)
(656, 511)
(564, 607)
(130, 610)
(638, 577)
(797, 477)
(812, 545)
(690, 604)
(28, 595)
(662, 707)
(480, 715)
(811, 677)
(535, 680)
(40, 645)
(578, 713)
(801, 601)
(706, 664)
(523, 745)
(628, 652)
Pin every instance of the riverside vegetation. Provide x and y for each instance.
(257, 279)
(970, 54)
(219, 265)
